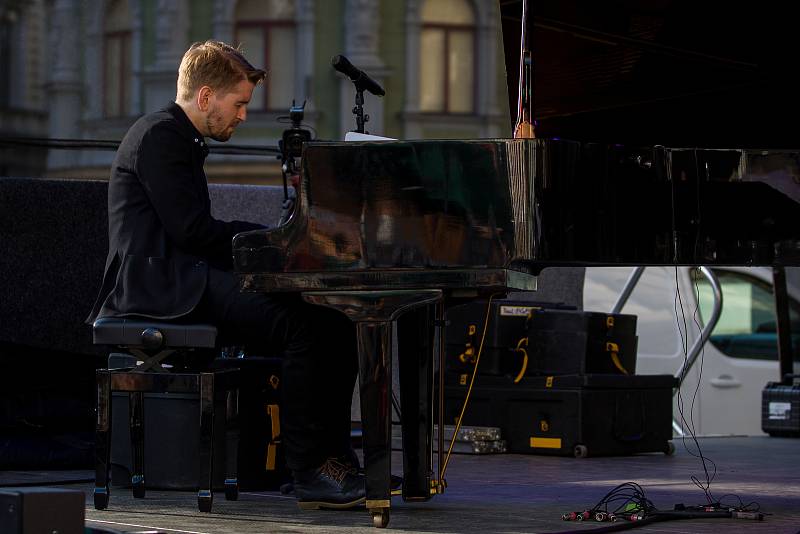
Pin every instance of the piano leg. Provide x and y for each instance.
(375, 380)
(374, 312)
(415, 351)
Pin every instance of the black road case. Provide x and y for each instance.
(580, 415)
(508, 326)
(579, 342)
(529, 339)
(780, 409)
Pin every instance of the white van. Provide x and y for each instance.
(741, 355)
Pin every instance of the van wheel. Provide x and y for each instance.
(580, 451)
(670, 450)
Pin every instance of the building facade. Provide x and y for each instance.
(88, 69)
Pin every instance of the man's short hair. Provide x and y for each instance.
(217, 65)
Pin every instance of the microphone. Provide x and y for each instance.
(358, 76)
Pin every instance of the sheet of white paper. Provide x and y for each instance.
(355, 136)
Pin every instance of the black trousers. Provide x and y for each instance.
(320, 362)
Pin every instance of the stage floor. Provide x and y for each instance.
(499, 493)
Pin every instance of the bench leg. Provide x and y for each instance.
(102, 440)
(231, 444)
(136, 415)
(204, 495)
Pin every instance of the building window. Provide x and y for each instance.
(447, 57)
(266, 32)
(7, 19)
(117, 59)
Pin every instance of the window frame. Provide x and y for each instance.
(265, 25)
(122, 71)
(448, 29)
(6, 29)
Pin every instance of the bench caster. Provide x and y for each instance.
(204, 501)
(137, 485)
(231, 490)
(100, 499)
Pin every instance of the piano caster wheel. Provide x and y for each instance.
(670, 449)
(138, 489)
(580, 451)
(231, 491)
(204, 501)
(100, 499)
(380, 518)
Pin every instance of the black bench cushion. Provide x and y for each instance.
(114, 331)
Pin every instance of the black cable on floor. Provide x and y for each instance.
(689, 426)
(655, 518)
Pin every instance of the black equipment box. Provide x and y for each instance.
(41, 510)
(172, 433)
(171, 438)
(580, 415)
(261, 461)
(780, 409)
(528, 339)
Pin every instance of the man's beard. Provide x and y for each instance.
(216, 130)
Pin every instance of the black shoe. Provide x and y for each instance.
(350, 459)
(333, 485)
(395, 483)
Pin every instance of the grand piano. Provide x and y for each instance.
(382, 228)
(399, 230)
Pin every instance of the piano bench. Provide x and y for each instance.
(151, 342)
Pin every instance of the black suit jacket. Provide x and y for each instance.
(162, 237)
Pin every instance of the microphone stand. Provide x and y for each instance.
(358, 110)
(291, 147)
(289, 195)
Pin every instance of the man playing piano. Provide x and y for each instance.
(170, 259)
